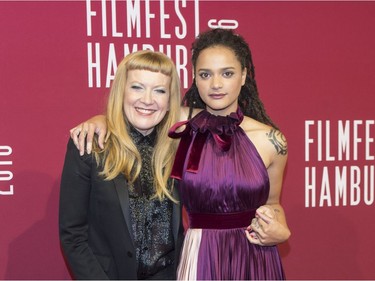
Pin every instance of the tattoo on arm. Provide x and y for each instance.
(278, 140)
(277, 212)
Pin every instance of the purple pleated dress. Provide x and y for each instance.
(223, 181)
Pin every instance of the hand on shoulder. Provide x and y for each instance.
(83, 134)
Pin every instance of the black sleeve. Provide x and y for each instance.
(74, 215)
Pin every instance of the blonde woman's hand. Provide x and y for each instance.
(86, 131)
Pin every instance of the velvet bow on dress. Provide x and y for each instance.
(195, 134)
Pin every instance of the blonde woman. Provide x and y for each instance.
(119, 215)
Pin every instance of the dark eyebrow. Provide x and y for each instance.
(222, 69)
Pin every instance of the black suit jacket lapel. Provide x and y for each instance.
(123, 195)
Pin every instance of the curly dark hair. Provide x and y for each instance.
(248, 100)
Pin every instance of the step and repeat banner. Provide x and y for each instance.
(315, 69)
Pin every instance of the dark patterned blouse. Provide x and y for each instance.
(151, 219)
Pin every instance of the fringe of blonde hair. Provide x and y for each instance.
(120, 155)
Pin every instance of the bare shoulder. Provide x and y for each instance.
(278, 140)
(185, 112)
(267, 139)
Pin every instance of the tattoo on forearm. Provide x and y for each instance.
(278, 140)
(277, 211)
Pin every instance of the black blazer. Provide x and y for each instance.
(94, 221)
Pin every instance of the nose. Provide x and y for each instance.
(147, 97)
(216, 82)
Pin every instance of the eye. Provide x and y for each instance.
(228, 74)
(204, 75)
(160, 91)
(135, 87)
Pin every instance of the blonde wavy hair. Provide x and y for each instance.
(120, 155)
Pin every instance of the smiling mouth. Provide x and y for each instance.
(145, 110)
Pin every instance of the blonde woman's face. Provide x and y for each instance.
(146, 99)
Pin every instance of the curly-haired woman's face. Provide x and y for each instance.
(219, 79)
(146, 100)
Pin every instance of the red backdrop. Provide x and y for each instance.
(315, 67)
